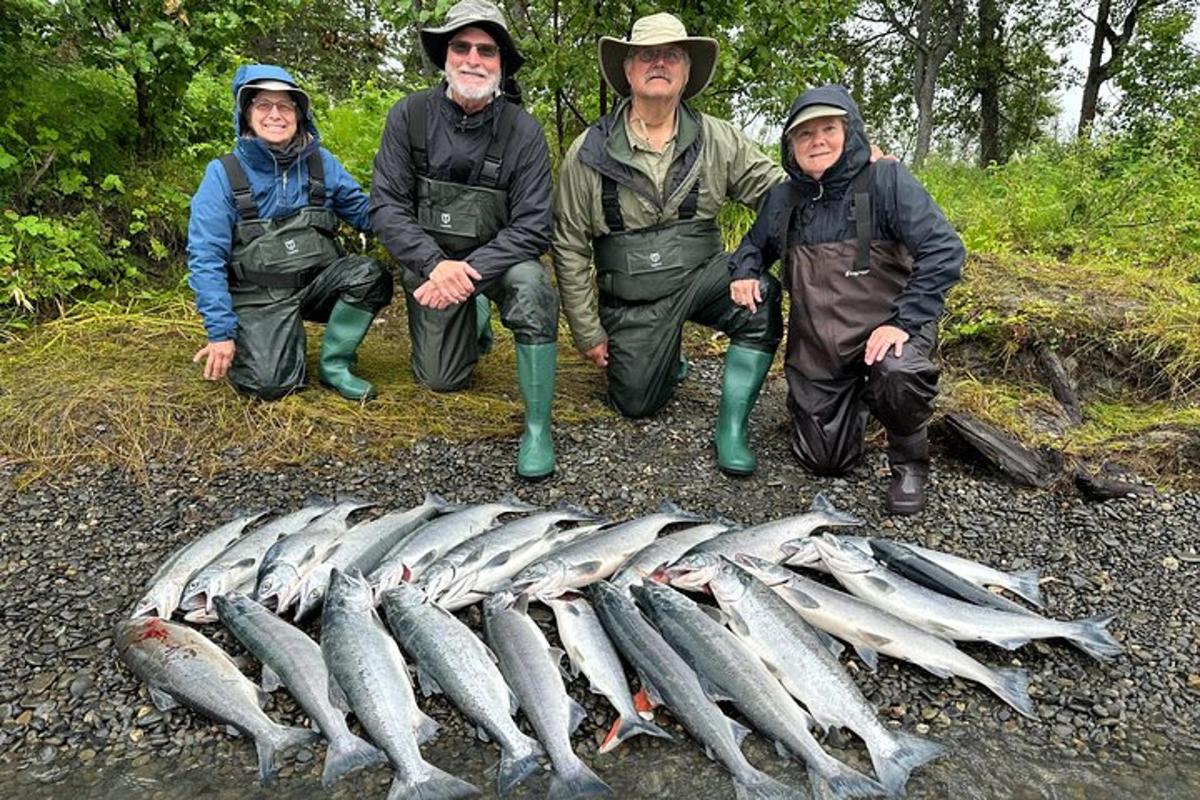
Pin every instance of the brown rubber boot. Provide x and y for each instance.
(909, 459)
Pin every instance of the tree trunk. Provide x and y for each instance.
(989, 73)
(1096, 74)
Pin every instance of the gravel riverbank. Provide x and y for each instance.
(78, 547)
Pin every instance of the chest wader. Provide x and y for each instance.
(840, 292)
(446, 344)
(271, 262)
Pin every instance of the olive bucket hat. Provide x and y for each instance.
(659, 29)
(472, 13)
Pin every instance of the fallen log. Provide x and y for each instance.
(1060, 382)
(1021, 464)
(1099, 488)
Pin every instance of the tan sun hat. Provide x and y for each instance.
(812, 112)
(658, 29)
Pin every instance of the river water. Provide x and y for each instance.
(973, 770)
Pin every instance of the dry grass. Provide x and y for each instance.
(115, 383)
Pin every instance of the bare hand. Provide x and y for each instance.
(882, 339)
(455, 279)
(746, 293)
(879, 155)
(598, 355)
(217, 357)
(430, 296)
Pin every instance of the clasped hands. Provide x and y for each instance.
(449, 283)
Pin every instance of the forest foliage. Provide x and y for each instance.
(114, 106)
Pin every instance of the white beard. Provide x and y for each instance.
(473, 92)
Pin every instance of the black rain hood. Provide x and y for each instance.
(856, 153)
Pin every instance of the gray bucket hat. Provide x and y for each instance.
(659, 29)
(472, 13)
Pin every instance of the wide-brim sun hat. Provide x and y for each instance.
(659, 29)
(813, 112)
(466, 14)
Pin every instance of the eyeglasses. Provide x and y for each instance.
(669, 55)
(285, 108)
(461, 47)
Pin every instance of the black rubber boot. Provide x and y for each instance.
(343, 333)
(909, 459)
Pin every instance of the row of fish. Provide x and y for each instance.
(767, 646)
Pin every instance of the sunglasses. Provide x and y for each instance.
(463, 48)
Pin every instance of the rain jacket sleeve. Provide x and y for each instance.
(751, 172)
(394, 198)
(346, 197)
(210, 243)
(937, 251)
(759, 248)
(572, 249)
(527, 235)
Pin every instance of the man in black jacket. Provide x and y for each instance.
(461, 199)
(868, 258)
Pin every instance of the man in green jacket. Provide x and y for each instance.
(639, 191)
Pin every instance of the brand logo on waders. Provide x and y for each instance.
(856, 273)
(289, 245)
(445, 220)
(655, 259)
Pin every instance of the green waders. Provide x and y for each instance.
(447, 343)
(286, 270)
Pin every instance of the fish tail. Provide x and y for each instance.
(821, 505)
(580, 783)
(1091, 637)
(1012, 686)
(345, 756)
(435, 785)
(516, 767)
(625, 727)
(762, 786)
(278, 741)
(840, 781)
(1025, 585)
(909, 753)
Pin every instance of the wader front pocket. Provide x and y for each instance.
(460, 218)
(644, 265)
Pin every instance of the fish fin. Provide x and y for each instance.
(426, 728)
(761, 786)
(347, 754)
(833, 516)
(270, 679)
(782, 751)
(516, 766)
(1093, 639)
(232, 732)
(517, 504)
(499, 560)
(514, 703)
(482, 734)
(578, 715)
(161, 700)
(625, 727)
(312, 723)
(1012, 686)
(799, 597)
(714, 692)
(910, 752)
(429, 684)
(435, 784)
(421, 563)
(738, 625)
(577, 782)
(277, 741)
(934, 669)
(948, 633)
(642, 703)
(1009, 642)
(835, 779)
(1025, 585)
(244, 563)
(879, 584)
(867, 656)
(740, 731)
(714, 612)
(337, 698)
(831, 644)
(309, 555)
(586, 567)
(651, 694)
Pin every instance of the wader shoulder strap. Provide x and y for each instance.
(487, 171)
(316, 179)
(611, 203)
(240, 184)
(861, 188)
(418, 127)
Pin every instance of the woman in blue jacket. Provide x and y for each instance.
(868, 258)
(262, 250)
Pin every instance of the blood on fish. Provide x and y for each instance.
(154, 629)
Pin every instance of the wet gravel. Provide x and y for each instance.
(76, 549)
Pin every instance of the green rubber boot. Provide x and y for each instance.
(483, 323)
(744, 373)
(681, 370)
(535, 374)
(343, 334)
